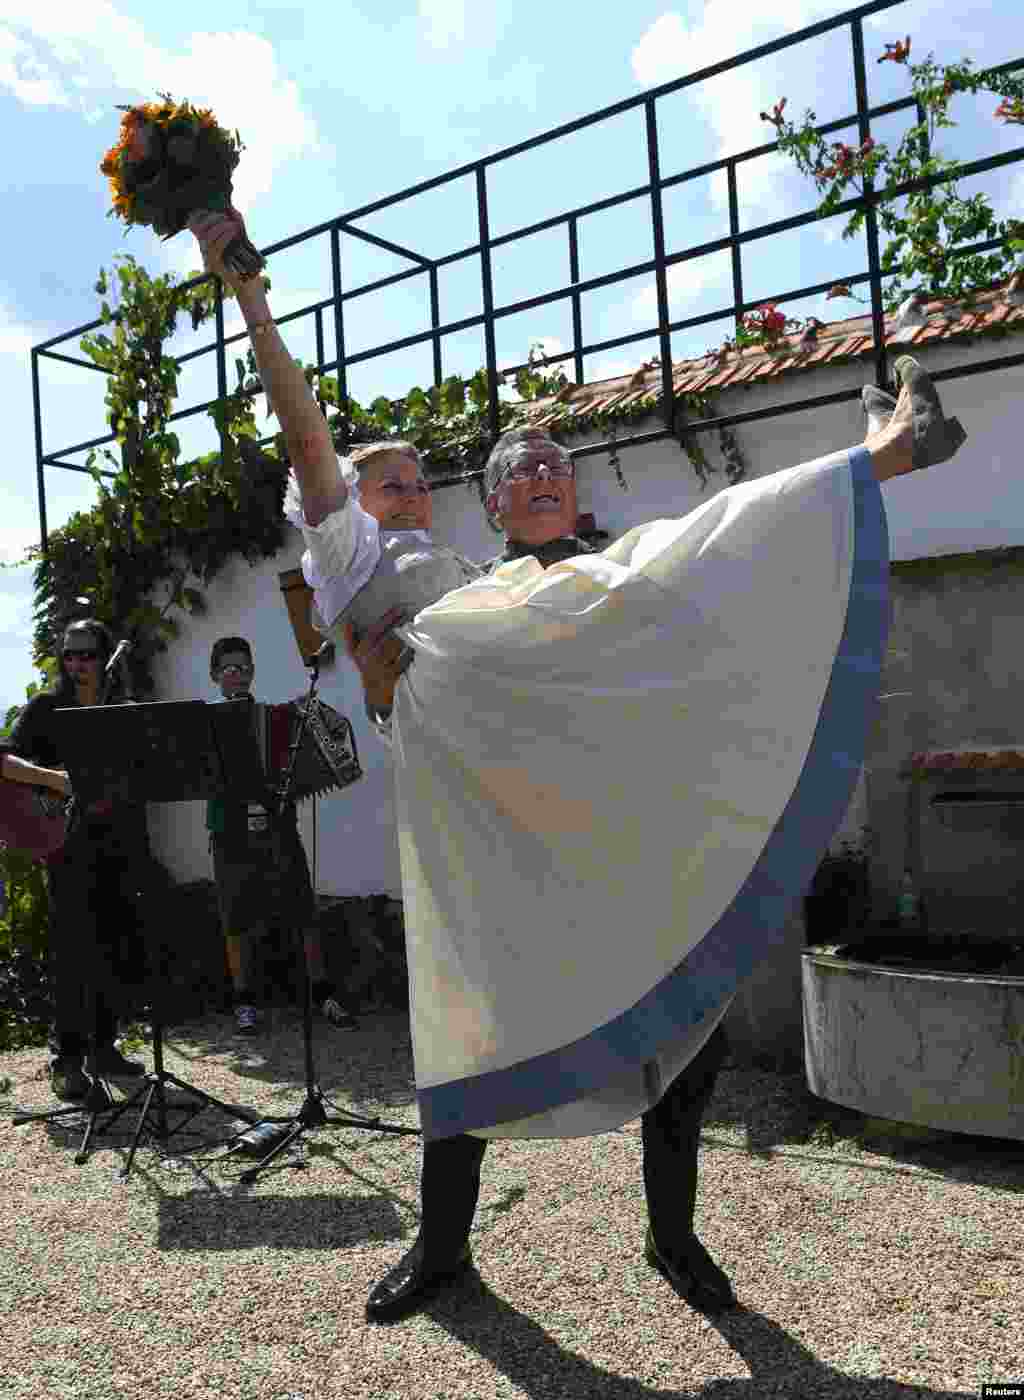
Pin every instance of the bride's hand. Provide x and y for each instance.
(214, 233)
(380, 657)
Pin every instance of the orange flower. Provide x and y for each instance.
(898, 52)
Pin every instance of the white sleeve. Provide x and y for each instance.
(341, 552)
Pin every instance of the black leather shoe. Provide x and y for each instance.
(693, 1273)
(68, 1081)
(409, 1285)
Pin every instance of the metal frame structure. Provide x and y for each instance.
(484, 246)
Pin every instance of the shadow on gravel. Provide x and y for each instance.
(371, 1069)
(778, 1111)
(780, 1365)
(208, 1220)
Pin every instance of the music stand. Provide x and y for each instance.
(167, 751)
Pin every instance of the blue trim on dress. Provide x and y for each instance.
(754, 922)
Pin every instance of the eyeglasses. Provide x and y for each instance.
(81, 655)
(233, 666)
(529, 468)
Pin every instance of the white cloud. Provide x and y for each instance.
(444, 22)
(671, 48)
(15, 612)
(549, 344)
(87, 56)
(25, 76)
(611, 369)
(14, 339)
(685, 282)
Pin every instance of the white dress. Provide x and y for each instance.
(614, 780)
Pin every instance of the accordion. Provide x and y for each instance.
(326, 759)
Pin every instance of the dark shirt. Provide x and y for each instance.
(551, 552)
(34, 737)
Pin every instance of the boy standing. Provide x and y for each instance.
(245, 871)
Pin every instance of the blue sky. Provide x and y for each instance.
(341, 104)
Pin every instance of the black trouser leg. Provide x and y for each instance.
(671, 1136)
(449, 1189)
(71, 890)
(94, 942)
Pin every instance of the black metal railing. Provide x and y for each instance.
(735, 241)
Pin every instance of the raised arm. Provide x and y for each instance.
(305, 430)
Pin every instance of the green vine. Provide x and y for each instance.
(161, 522)
(929, 231)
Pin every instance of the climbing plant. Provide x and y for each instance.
(930, 232)
(163, 526)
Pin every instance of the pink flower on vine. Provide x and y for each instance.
(766, 321)
(776, 115)
(898, 52)
(1011, 109)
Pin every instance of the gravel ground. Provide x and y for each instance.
(869, 1262)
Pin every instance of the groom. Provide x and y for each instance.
(531, 491)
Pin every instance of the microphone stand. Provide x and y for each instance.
(312, 1113)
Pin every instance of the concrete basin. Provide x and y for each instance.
(941, 1049)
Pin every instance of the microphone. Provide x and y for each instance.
(123, 647)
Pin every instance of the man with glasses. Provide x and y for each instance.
(93, 882)
(531, 492)
(242, 846)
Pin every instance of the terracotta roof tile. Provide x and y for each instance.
(851, 336)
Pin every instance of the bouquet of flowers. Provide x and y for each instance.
(171, 161)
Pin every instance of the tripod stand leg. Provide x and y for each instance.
(90, 1127)
(139, 1129)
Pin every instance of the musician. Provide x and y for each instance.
(93, 883)
(245, 873)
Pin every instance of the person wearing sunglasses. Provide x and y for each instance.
(615, 774)
(96, 954)
(245, 873)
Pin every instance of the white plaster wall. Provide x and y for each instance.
(974, 502)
